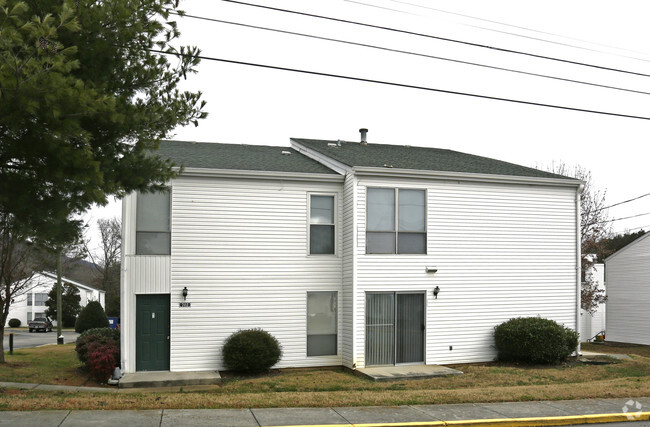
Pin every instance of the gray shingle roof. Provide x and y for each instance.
(418, 158)
(238, 157)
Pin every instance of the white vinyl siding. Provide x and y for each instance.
(501, 251)
(349, 259)
(239, 248)
(627, 280)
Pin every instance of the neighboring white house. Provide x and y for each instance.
(336, 248)
(627, 278)
(593, 324)
(31, 303)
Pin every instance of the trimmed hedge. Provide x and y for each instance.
(251, 351)
(534, 340)
(14, 323)
(91, 316)
(97, 336)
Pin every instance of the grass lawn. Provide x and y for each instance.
(617, 347)
(489, 382)
(52, 364)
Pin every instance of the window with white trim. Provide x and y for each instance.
(322, 337)
(40, 299)
(153, 225)
(321, 224)
(29, 299)
(396, 221)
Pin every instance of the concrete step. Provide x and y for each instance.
(169, 379)
(406, 372)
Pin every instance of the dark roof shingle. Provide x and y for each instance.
(238, 157)
(417, 158)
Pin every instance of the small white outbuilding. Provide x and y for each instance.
(627, 278)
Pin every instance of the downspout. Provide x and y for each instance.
(578, 263)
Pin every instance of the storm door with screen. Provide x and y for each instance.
(395, 326)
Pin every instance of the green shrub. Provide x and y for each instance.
(534, 340)
(251, 351)
(14, 323)
(96, 336)
(92, 316)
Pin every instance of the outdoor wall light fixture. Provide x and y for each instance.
(436, 290)
(184, 293)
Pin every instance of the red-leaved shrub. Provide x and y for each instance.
(102, 359)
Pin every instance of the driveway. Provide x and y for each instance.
(24, 339)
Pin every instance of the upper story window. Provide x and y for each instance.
(29, 299)
(396, 221)
(40, 299)
(153, 225)
(321, 224)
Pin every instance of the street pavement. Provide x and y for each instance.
(419, 415)
(24, 339)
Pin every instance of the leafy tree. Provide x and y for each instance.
(69, 301)
(83, 101)
(594, 227)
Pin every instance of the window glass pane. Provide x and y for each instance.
(29, 299)
(380, 243)
(381, 209)
(147, 243)
(412, 243)
(40, 299)
(321, 239)
(411, 210)
(321, 323)
(153, 211)
(322, 210)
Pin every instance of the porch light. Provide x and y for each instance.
(184, 293)
(435, 291)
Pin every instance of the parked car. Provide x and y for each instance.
(40, 324)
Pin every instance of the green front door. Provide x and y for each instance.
(152, 333)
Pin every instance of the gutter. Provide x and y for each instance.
(252, 174)
(464, 176)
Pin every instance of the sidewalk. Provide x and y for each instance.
(478, 414)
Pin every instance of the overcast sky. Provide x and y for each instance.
(252, 105)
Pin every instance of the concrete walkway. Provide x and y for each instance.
(499, 414)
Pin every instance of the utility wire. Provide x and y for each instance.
(518, 27)
(403, 85)
(624, 201)
(413, 33)
(625, 217)
(406, 52)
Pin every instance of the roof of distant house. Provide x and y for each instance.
(417, 158)
(239, 157)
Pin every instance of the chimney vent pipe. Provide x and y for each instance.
(364, 139)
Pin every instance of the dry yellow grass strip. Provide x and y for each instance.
(33, 400)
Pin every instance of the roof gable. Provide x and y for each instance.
(628, 246)
(418, 158)
(239, 157)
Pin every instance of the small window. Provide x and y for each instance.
(153, 228)
(322, 323)
(321, 224)
(396, 221)
(29, 299)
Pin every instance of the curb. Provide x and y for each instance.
(513, 422)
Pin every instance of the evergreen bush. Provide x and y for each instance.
(96, 336)
(534, 340)
(251, 351)
(14, 323)
(92, 316)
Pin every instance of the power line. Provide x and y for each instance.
(625, 217)
(521, 28)
(403, 85)
(413, 33)
(330, 39)
(624, 201)
(627, 230)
